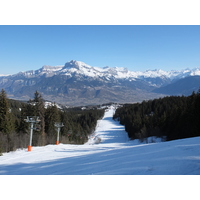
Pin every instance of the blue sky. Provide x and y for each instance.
(137, 48)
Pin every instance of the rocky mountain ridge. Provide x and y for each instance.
(77, 83)
(79, 67)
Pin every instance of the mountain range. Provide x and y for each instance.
(77, 83)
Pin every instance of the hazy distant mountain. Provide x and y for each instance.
(184, 86)
(77, 83)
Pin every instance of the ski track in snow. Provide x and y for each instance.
(114, 154)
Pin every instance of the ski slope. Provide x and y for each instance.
(107, 152)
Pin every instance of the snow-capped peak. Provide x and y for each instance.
(76, 64)
(78, 67)
(48, 70)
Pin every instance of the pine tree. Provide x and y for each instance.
(51, 116)
(39, 110)
(5, 114)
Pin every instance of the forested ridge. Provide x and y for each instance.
(15, 131)
(170, 118)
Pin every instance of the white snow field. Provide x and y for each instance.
(108, 152)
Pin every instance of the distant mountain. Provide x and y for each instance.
(184, 86)
(77, 83)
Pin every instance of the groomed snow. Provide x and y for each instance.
(107, 152)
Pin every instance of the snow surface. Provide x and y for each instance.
(107, 152)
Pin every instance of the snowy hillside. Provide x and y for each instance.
(107, 152)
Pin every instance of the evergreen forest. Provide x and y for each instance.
(169, 118)
(15, 131)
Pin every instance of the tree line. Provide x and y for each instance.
(14, 130)
(170, 118)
